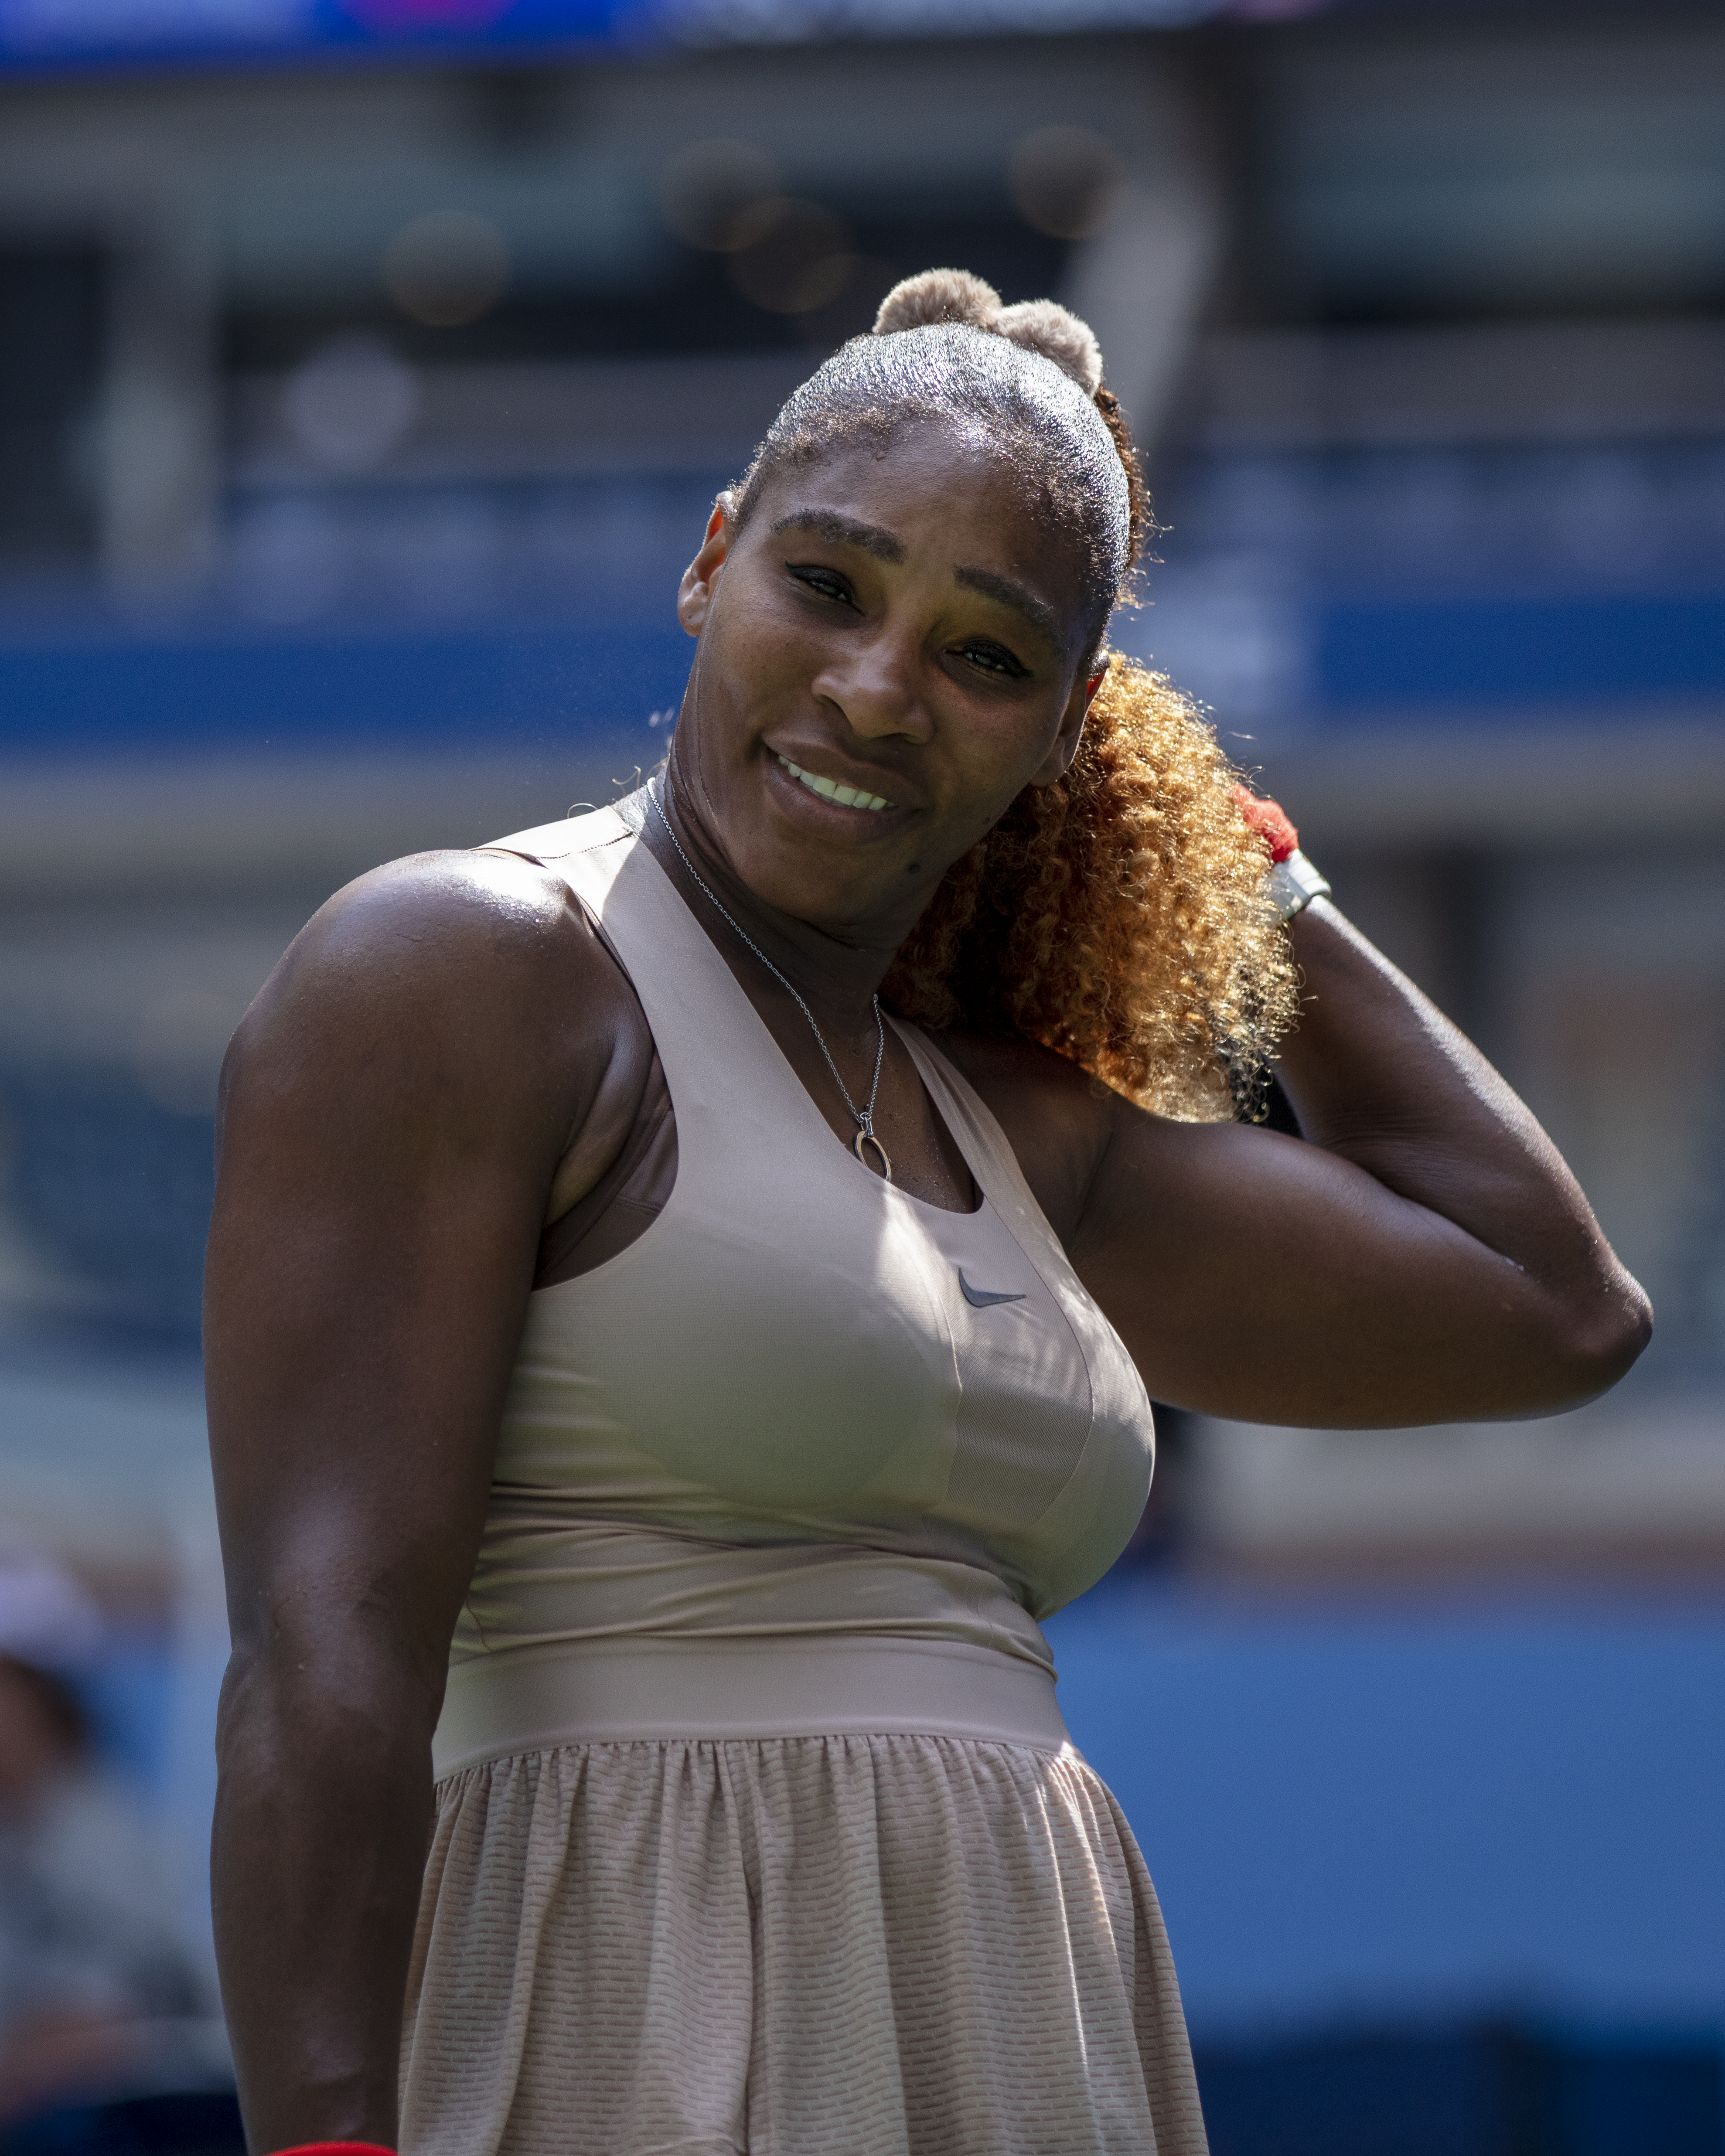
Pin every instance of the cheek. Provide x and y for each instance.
(998, 754)
(742, 670)
(758, 647)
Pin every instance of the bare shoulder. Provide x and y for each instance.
(414, 920)
(452, 973)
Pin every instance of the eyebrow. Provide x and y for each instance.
(844, 531)
(1007, 592)
(887, 547)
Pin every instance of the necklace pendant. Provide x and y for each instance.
(864, 1117)
(868, 1139)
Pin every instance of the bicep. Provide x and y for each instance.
(1255, 1277)
(359, 1327)
(385, 1149)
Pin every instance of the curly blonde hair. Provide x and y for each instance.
(1119, 916)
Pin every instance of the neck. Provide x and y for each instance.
(837, 976)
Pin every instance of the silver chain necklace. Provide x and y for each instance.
(865, 1118)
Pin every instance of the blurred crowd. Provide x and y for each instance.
(102, 1997)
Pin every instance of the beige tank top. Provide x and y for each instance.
(803, 1409)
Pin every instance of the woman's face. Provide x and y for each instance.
(897, 623)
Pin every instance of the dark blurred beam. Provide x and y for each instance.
(1648, 773)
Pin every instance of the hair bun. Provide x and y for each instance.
(938, 296)
(1045, 326)
(1039, 326)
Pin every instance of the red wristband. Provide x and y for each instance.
(1270, 820)
(335, 2149)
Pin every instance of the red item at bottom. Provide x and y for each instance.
(335, 2149)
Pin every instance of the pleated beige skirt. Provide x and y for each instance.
(854, 1945)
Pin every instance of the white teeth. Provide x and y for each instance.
(829, 789)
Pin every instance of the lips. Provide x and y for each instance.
(829, 789)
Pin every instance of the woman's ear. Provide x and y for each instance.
(694, 594)
(1065, 747)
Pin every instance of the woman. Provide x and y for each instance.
(754, 1824)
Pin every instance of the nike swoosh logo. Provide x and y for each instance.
(979, 1298)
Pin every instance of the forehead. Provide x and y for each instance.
(943, 491)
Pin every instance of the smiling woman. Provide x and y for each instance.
(684, 1291)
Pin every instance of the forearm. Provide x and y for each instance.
(322, 1820)
(1378, 1075)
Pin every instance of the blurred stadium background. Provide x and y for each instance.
(367, 368)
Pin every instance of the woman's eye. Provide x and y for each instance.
(994, 659)
(826, 581)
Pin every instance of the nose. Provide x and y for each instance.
(876, 683)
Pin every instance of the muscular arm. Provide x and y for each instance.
(394, 1109)
(1425, 1257)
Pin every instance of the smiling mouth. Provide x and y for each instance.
(828, 789)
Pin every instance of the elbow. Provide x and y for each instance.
(1602, 1342)
(311, 1696)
